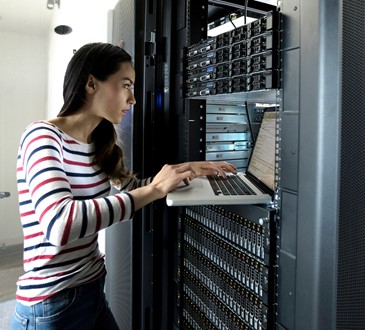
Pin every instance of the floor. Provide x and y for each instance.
(10, 269)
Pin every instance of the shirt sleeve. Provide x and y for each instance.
(63, 219)
(133, 183)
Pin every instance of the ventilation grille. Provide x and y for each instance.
(351, 249)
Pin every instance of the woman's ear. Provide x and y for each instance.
(90, 85)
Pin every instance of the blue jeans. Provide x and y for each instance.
(80, 308)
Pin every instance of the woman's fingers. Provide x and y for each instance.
(171, 175)
(213, 168)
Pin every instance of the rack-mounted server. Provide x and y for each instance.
(242, 60)
(227, 271)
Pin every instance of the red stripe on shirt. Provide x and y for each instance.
(51, 206)
(122, 206)
(41, 257)
(26, 214)
(44, 182)
(70, 141)
(38, 298)
(77, 248)
(25, 191)
(41, 137)
(71, 162)
(82, 186)
(41, 160)
(98, 215)
(41, 278)
(66, 232)
(33, 235)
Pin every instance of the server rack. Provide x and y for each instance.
(317, 236)
(151, 239)
(225, 257)
(137, 251)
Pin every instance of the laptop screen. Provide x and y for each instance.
(262, 161)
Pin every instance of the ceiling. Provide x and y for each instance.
(25, 16)
(33, 16)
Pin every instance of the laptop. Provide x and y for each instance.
(258, 180)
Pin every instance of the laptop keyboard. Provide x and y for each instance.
(231, 185)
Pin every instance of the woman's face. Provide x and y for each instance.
(112, 98)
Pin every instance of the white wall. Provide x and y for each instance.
(23, 95)
(31, 79)
(89, 22)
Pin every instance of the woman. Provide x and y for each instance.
(65, 170)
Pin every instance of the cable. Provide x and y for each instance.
(249, 122)
(246, 3)
(230, 19)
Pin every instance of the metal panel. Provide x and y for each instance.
(291, 79)
(351, 268)
(291, 25)
(118, 251)
(219, 118)
(288, 224)
(216, 156)
(319, 146)
(286, 290)
(287, 261)
(289, 150)
(118, 287)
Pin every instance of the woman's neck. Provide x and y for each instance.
(77, 125)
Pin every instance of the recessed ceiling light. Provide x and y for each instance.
(63, 29)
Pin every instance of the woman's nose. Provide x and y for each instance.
(131, 99)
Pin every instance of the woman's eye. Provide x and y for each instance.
(128, 86)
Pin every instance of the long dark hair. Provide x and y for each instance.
(100, 60)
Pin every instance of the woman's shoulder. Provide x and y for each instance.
(41, 127)
(41, 130)
(51, 133)
(41, 124)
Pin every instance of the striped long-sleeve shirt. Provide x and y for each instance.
(64, 201)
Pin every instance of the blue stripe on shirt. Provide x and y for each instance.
(47, 169)
(111, 211)
(84, 220)
(37, 129)
(52, 192)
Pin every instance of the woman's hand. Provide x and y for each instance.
(212, 168)
(163, 182)
(171, 175)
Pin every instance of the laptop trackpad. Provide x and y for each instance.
(192, 184)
